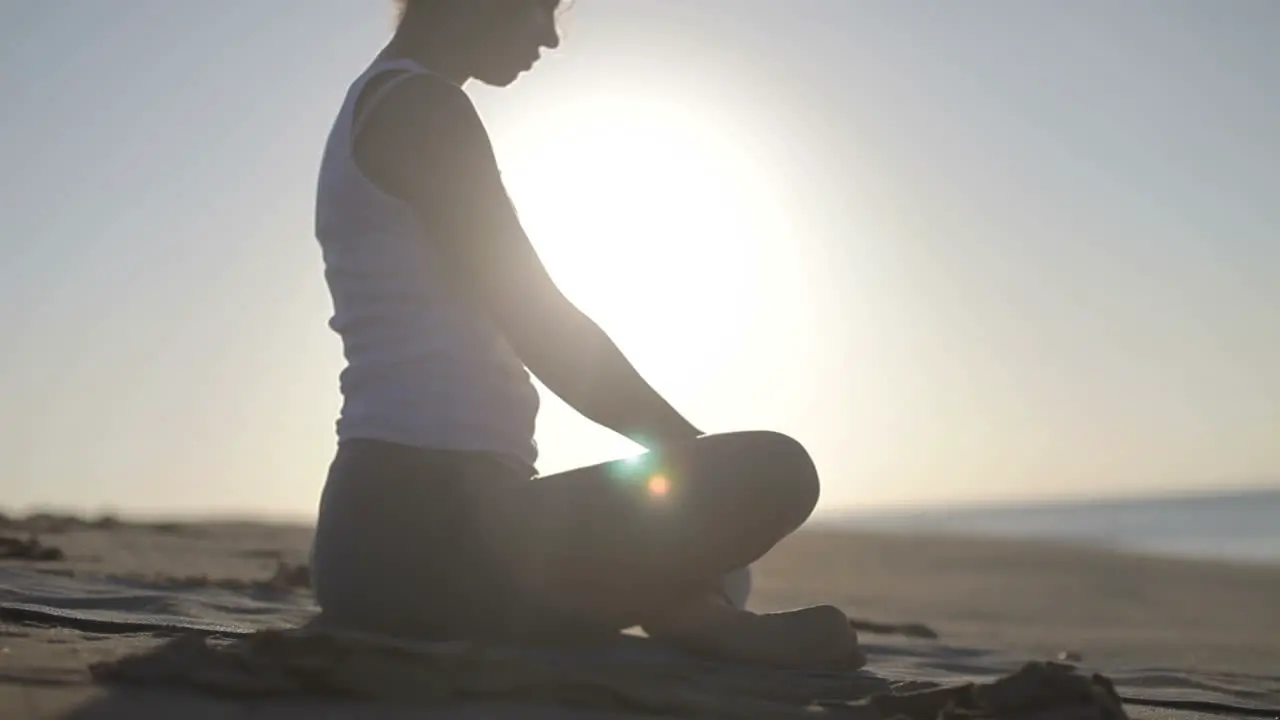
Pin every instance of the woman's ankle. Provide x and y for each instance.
(818, 636)
(698, 614)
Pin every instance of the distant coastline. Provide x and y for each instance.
(1241, 526)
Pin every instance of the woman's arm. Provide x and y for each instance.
(424, 143)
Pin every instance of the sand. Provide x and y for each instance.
(1194, 637)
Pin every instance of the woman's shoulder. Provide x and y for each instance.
(418, 96)
(418, 130)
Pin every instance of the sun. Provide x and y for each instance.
(650, 215)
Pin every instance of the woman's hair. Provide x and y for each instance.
(402, 6)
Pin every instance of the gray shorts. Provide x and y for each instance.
(402, 547)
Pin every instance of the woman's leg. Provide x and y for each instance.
(399, 549)
(737, 587)
(623, 540)
(649, 542)
(431, 543)
(449, 545)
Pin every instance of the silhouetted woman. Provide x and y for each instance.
(434, 522)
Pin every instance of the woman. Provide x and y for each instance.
(432, 522)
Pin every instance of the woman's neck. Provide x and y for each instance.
(416, 43)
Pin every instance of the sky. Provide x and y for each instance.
(989, 251)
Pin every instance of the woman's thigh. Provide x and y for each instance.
(401, 544)
(631, 532)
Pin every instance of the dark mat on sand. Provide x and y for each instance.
(308, 663)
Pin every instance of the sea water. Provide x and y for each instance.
(1241, 526)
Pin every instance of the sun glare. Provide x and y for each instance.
(652, 217)
(659, 486)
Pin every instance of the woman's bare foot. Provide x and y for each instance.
(811, 637)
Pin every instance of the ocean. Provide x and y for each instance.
(1243, 526)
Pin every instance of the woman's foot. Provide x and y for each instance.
(812, 637)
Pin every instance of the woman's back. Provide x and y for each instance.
(425, 366)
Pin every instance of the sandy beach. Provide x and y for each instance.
(1195, 637)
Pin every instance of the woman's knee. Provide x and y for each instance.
(777, 471)
(789, 470)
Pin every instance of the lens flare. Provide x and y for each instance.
(659, 486)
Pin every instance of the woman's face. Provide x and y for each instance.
(510, 36)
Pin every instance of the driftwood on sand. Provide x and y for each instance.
(30, 549)
(911, 630)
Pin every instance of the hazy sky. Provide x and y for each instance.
(964, 251)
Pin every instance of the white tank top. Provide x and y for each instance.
(424, 366)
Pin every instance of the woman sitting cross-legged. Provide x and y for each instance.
(434, 522)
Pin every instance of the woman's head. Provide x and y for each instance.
(492, 41)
